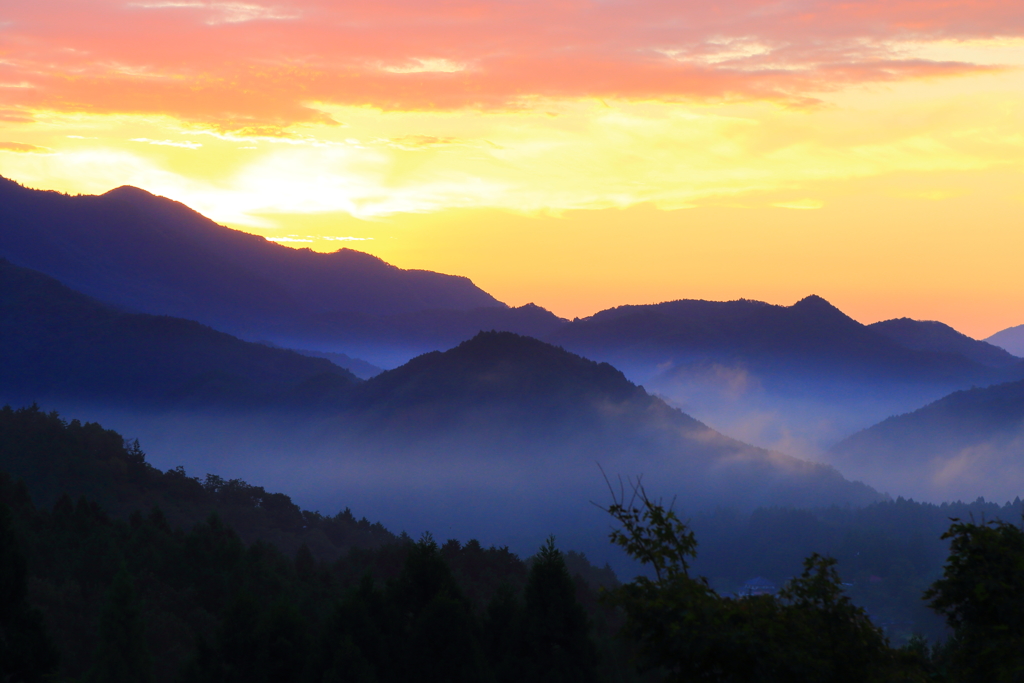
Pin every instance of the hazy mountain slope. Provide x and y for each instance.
(529, 378)
(951, 445)
(500, 438)
(796, 378)
(392, 340)
(358, 367)
(809, 335)
(499, 397)
(502, 394)
(1011, 339)
(55, 458)
(58, 343)
(150, 254)
(930, 335)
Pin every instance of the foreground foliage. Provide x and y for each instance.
(811, 631)
(981, 594)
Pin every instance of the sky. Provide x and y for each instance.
(576, 154)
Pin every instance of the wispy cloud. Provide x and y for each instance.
(15, 116)
(418, 65)
(800, 204)
(184, 144)
(416, 142)
(21, 147)
(259, 66)
(223, 12)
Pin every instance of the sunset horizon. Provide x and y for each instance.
(492, 341)
(579, 155)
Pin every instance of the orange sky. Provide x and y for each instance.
(578, 154)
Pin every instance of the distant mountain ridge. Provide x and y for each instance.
(393, 339)
(58, 343)
(795, 378)
(1011, 339)
(151, 254)
(948, 444)
(930, 335)
(954, 422)
(811, 334)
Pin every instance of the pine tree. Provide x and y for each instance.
(26, 653)
(556, 628)
(122, 655)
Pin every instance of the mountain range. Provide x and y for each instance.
(966, 441)
(797, 378)
(157, 300)
(810, 337)
(148, 254)
(502, 438)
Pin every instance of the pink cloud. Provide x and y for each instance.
(243, 64)
(20, 147)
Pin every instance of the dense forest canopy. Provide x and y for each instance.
(114, 570)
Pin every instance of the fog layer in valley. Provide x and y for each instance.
(468, 484)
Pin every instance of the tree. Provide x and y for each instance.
(832, 639)
(502, 631)
(981, 594)
(810, 633)
(122, 654)
(556, 630)
(440, 633)
(26, 652)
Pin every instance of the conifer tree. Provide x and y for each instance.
(557, 645)
(26, 653)
(122, 655)
(441, 633)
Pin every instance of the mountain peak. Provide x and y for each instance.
(129, 192)
(504, 366)
(817, 308)
(147, 253)
(815, 302)
(932, 335)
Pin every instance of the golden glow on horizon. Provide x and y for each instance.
(884, 172)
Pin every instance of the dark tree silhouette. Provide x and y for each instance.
(810, 633)
(981, 594)
(555, 627)
(122, 653)
(26, 653)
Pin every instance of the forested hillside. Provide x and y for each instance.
(159, 576)
(117, 571)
